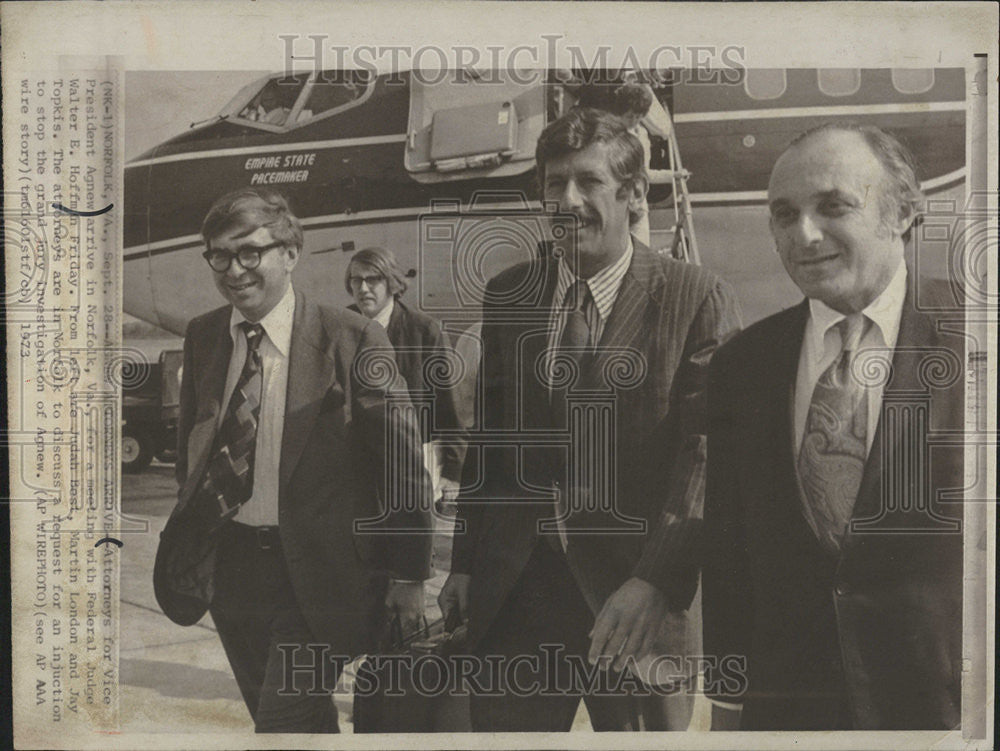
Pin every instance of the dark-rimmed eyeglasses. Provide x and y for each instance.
(248, 256)
(371, 280)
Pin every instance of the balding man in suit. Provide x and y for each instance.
(833, 566)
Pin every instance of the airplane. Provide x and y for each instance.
(370, 159)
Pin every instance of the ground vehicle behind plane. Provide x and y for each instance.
(150, 404)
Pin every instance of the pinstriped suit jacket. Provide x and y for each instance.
(651, 364)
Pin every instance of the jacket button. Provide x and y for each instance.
(842, 589)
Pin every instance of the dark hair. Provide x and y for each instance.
(260, 206)
(384, 262)
(902, 187)
(631, 99)
(583, 126)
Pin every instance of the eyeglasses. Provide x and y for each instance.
(248, 256)
(371, 280)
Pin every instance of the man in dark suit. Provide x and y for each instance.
(833, 568)
(587, 547)
(281, 456)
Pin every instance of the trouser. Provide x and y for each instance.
(535, 653)
(255, 611)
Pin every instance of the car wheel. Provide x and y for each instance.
(137, 449)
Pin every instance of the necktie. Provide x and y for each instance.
(574, 343)
(834, 447)
(228, 480)
(575, 339)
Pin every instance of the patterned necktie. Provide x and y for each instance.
(834, 447)
(228, 480)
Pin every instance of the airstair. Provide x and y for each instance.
(683, 244)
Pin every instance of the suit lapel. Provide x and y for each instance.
(210, 390)
(787, 352)
(532, 339)
(624, 326)
(915, 330)
(310, 373)
(396, 326)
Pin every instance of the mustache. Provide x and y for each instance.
(583, 217)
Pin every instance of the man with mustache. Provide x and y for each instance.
(281, 454)
(590, 557)
(833, 567)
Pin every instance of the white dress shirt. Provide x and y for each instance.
(262, 508)
(821, 345)
(385, 314)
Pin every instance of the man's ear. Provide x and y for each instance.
(906, 216)
(292, 254)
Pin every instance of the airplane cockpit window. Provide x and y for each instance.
(838, 81)
(765, 83)
(332, 90)
(275, 101)
(913, 80)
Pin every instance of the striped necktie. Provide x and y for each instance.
(834, 446)
(228, 480)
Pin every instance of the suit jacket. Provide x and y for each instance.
(650, 365)
(870, 638)
(419, 343)
(332, 474)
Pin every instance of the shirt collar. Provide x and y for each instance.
(604, 285)
(277, 323)
(385, 314)
(884, 312)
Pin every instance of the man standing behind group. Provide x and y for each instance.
(375, 281)
(600, 295)
(833, 566)
(281, 452)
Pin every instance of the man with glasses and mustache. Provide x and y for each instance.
(281, 452)
(612, 594)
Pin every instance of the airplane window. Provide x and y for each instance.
(341, 88)
(913, 80)
(765, 83)
(838, 81)
(276, 100)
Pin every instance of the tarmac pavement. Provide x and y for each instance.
(177, 679)
(174, 676)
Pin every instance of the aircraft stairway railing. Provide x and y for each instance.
(684, 244)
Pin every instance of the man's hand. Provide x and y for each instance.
(628, 623)
(455, 594)
(406, 599)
